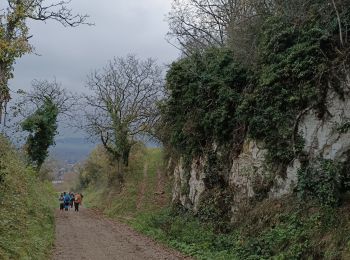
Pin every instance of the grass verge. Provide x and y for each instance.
(146, 187)
(26, 215)
(281, 229)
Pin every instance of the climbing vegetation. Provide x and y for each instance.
(205, 91)
(215, 101)
(42, 128)
(325, 181)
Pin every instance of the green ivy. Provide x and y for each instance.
(205, 90)
(42, 128)
(215, 100)
(292, 64)
(323, 180)
(215, 208)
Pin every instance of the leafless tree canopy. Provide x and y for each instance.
(244, 27)
(26, 103)
(43, 10)
(123, 103)
(44, 90)
(197, 24)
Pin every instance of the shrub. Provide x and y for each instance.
(322, 180)
(205, 90)
(215, 208)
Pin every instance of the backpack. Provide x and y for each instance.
(66, 198)
(77, 198)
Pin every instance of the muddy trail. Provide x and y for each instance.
(89, 235)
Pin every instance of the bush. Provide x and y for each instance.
(187, 234)
(205, 91)
(322, 180)
(215, 208)
(96, 169)
(274, 230)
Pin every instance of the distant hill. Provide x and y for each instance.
(74, 149)
(71, 149)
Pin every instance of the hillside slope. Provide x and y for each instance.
(146, 187)
(26, 215)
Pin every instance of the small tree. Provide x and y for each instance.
(123, 104)
(42, 128)
(47, 101)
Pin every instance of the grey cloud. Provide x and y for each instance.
(122, 27)
(69, 54)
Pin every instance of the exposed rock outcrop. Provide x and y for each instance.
(250, 177)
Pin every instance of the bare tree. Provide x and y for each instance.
(14, 36)
(26, 103)
(40, 109)
(244, 28)
(123, 104)
(197, 24)
(44, 90)
(43, 10)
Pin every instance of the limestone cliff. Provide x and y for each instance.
(251, 178)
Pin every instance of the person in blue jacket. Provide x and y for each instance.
(66, 199)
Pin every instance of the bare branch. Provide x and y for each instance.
(123, 104)
(14, 33)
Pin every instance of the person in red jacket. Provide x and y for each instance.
(77, 201)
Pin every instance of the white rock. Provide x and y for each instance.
(321, 140)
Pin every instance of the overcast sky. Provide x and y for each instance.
(69, 54)
(121, 27)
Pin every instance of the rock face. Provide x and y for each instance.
(247, 172)
(322, 137)
(189, 187)
(249, 176)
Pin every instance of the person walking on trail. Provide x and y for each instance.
(61, 200)
(66, 199)
(71, 194)
(77, 201)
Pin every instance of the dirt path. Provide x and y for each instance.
(90, 236)
(142, 190)
(161, 197)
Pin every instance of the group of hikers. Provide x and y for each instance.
(69, 199)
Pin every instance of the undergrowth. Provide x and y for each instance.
(26, 215)
(273, 230)
(140, 192)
